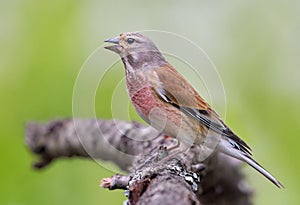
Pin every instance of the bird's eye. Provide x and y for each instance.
(130, 40)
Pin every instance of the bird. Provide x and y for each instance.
(168, 102)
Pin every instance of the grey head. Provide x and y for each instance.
(136, 51)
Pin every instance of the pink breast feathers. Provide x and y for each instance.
(144, 100)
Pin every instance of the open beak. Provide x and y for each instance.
(115, 48)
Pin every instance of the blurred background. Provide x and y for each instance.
(254, 45)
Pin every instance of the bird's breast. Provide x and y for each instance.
(141, 96)
(161, 115)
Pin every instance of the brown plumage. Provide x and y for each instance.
(167, 101)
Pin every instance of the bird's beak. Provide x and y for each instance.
(115, 48)
(114, 40)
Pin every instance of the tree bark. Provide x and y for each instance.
(154, 175)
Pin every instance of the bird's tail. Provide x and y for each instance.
(233, 151)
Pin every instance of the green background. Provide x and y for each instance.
(254, 45)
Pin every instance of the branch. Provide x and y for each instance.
(153, 178)
(98, 139)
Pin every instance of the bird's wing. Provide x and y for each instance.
(175, 90)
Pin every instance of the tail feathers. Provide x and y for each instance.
(236, 153)
(260, 169)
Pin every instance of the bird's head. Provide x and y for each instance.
(136, 50)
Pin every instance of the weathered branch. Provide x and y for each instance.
(153, 178)
(99, 139)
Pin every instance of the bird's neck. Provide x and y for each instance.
(143, 60)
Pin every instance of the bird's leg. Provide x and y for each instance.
(157, 156)
(176, 146)
(164, 154)
(161, 153)
(172, 152)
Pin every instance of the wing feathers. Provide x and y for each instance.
(185, 98)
